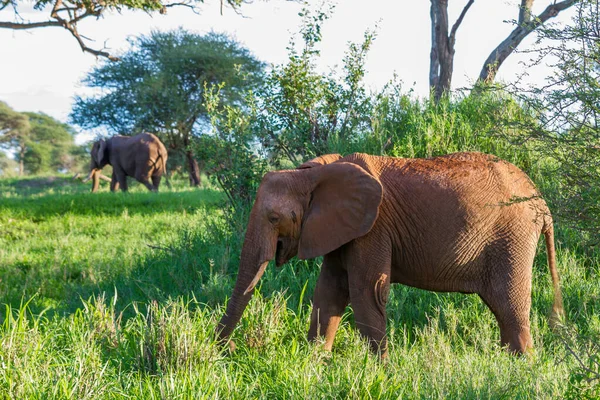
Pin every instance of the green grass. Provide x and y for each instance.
(117, 296)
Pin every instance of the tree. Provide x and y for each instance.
(442, 42)
(40, 142)
(441, 64)
(67, 14)
(304, 111)
(568, 106)
(8, 166)
(525, 25)
(50, 146)
(14, 132)
(158, 86)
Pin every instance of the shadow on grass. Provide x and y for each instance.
(44, 205)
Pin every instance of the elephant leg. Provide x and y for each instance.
(510, 301)
(329, 301)
(144, 178)
(114, 183)
(369, 282)
(156, 181)
(121, 178)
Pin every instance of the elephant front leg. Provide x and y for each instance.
(114, 183)
(330, 300)
(121, 178)
(369, 282)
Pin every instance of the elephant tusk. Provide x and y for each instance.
(88, 177)
(260, 273)
(105, 178)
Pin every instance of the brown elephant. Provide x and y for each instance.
(465, 222)
(142, 156)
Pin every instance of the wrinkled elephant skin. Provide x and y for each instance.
(466, 222)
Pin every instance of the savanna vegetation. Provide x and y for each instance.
(115, 295)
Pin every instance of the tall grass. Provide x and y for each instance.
(113, 295)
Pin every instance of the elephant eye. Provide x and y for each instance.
(273, 218)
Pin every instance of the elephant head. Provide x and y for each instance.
(98, 161)
(308, 212)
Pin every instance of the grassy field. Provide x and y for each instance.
(117, 295)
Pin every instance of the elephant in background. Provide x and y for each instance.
(142, 156)
(465, 222)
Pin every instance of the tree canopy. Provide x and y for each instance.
(40, 142)
(51, 145)
(159, 84)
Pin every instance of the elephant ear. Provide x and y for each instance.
(344, 206)
(101, 151)
(321, 160)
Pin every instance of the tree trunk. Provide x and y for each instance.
(442, 47)
(21, 162)
(434, 60)
(193, 169)
(526, 25)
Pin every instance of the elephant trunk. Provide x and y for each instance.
(253, 262)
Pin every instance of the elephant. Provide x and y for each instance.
(142, 156)
(465, 222)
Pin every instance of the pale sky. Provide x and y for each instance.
(40, 70)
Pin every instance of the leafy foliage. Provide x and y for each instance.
(51, 145)
(568, 112)
(230, 152)
(41, 143)
(302, 111)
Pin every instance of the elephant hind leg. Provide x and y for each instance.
(511, 305)
(114, 183)
(156, 181)
(145, 180)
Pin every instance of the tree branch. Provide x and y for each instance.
(29, 25)
(67, 13)
(504, 49)
(459, 21)
(525, 11)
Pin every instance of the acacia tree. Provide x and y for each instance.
(158, 86)
(67, 14)
(442, 42)
(40, 142)
(50, 146)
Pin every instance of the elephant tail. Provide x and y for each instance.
(163, 160)
(558, 312)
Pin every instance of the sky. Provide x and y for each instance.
(41, 70)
